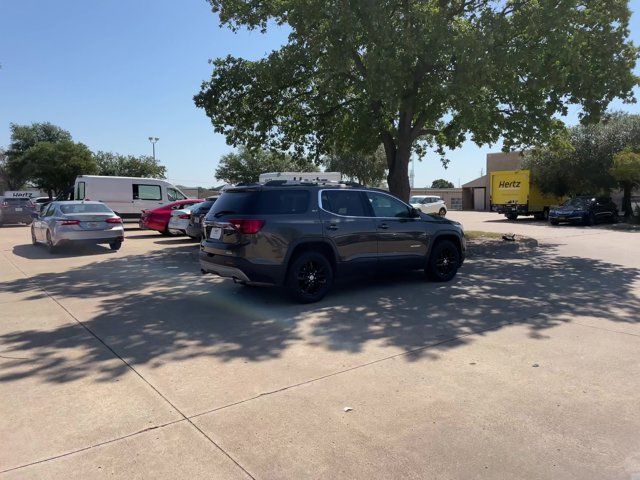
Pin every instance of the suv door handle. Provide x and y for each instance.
(332, 226)
(384, 226)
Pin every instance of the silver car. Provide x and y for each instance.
(77, 222)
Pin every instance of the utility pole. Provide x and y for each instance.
(153, 141)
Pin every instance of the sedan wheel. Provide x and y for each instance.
(34, 241)
(52, 248)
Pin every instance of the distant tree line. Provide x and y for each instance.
(590, 159)
(45, 156)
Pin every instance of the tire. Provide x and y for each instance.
(50, 246)
(310, 277)
(511, 216)
(166, 232)
(115, 245)
(444, 261)
(33, 236)
(553, 222)
(538, 216)
(545, 214)
(442, 212)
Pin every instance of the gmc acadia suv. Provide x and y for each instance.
(303, 235)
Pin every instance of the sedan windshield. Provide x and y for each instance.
(84, 208)
(575, 202)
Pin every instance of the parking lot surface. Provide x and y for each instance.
(130, 364)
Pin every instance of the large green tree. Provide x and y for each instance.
(53, 167)
(366, 169)
(441, 183)
(411, 74)
(24, 137)
(626, 171)
(245, 165)
(114, 164)
(579, 160)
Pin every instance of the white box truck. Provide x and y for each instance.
(127, 196)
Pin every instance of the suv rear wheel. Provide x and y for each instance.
(444, 261)
(310, 277)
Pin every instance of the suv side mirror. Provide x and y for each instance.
(415, 213)
(35, 215)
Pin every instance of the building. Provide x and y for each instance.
(476, 194)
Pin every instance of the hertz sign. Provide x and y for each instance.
(509, 184)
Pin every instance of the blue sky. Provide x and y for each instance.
(115, 72)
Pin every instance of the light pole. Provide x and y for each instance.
(153, 141)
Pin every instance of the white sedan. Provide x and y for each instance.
(179, 220)
(429, 204)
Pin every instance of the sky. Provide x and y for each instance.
(114, 72)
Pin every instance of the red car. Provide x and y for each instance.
(158, 218)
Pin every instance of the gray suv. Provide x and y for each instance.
(302, 236)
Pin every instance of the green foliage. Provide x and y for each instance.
(415, 74)
(366, 169)
(53, 167)
(579, 160)
(441, 183)
(245, 166)
(114, 164)
(24, 137)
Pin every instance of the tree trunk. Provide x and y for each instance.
(626, 199)
(398, 177)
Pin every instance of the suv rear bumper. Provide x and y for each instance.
(240, 269)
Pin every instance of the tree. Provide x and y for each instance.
(54, 166)
(366, 169)
(246, 165)
(441, 183)
(416, 74)
(579, 160)
(626, 171)
(115, 164)
(24, 137)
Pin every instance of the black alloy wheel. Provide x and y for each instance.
(444, 261)
(52, 248)
(310, 277)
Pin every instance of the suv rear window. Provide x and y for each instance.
(261, 202)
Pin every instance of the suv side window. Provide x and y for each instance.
(283, 202)
(385, 206)
(348, 203)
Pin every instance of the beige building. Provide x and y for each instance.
(475, 194)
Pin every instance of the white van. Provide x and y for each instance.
(127, 196)
(301, 176)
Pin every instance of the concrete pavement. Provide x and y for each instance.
(132, 365)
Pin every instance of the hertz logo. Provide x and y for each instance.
(512, 184)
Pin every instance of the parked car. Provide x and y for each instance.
(16, 210)
(77, 222)
(587, 210)
(128, 196)
(429, 204)
(40, 202)
(303, 236)
(179, 220)
(158, 218)
(198, 212)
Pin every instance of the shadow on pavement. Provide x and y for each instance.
(157, 308)
(39, 252)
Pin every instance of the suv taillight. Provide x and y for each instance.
(246, 225)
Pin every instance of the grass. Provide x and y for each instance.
(471, 234)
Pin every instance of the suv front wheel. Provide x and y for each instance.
(310, 277)
(443, 262)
